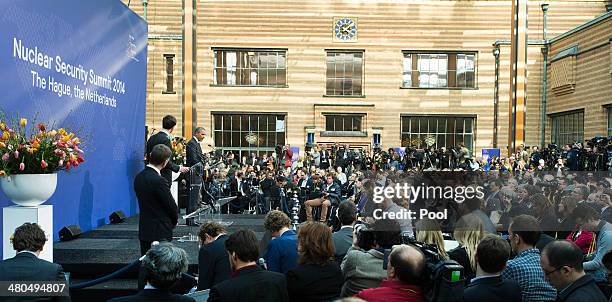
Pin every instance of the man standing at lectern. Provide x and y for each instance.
(163, 137)
(194, 156)
(158, 211)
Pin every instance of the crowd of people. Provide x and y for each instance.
(535, 234)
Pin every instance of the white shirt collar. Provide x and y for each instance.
(154, 168)
(28, 252)
(167, 133)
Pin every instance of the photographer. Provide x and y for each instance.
(362, 266)
(406, 264)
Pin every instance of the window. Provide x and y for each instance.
(609, 121)
(343, 122)
(568, 128)
(250, 68)
(437, 131)
(344, 73)
(245, 133)
(439, 70)
(169, 73)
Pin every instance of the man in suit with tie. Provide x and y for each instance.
(194, 156)
(158, 211)
(343, 238)
(249, 282)
(164, 137)
(28, 241)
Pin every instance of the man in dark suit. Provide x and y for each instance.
(28, 242)
(343, 238)
(239, 188)
(158, 211)
(164, 137)
(324, 157)
(492, 254)
(213, 260)
(194, 156)
(249, 282)
(561, 261)
(164, 264)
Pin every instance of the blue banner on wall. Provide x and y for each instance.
(80, 65)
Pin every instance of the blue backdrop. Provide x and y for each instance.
(100, 48)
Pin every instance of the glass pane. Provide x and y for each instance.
(218, 138)
(227, 138)
(217, 122)
(441, 125)
(406, 124)
(468, 125)
(329, 123)
(235, 123)
(459, 125)
(414, 125)
(244, 123)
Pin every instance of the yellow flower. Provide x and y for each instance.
(52, 133)
(2, 173)
(2, 145)
(65, 138)
(76, 141)
(2, 126)
(62, 131)
(23, 122)
(5, 135)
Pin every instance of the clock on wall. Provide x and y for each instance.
(345, 29)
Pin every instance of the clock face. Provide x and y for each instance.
(345, 29)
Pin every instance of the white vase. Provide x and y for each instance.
(29, 190)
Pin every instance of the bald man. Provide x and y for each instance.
(406, 264)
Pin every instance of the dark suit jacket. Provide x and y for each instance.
(251, 284)
(214, 266)
(235, 191)
(27, 267)
(162, 138)
(158, 211)
(312, 282)
(146, 295)
(583, 289)
(194, 152)
(492, 289)
(334, 193)
(343, 240)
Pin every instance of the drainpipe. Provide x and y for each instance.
(496, 95)
(144, 6)
(544, 78)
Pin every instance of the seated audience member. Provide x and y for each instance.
(589, 220)
(317, 276)
(525, 269)
(468, 233)
(28, 241)
(406, 264)
(491, 257)
(164, 263)
(561, 261)
(281, 254)
(249, 282)
(429, 231)
(343, 238)
(362, 266)
(213, 261)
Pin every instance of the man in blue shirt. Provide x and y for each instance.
(282, 254)
(525, 268)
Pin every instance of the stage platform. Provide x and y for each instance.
(110, 247)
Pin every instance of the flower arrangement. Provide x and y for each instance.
(178, 150)
(37, 151)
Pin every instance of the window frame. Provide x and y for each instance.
(281, 72)
(456, 136)
(575, 118)
(228, 132)
(450, 73)
(343, 78)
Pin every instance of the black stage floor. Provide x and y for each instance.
(108, 248)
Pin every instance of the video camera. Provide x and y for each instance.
(443, 280)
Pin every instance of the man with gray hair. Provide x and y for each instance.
(164, 263)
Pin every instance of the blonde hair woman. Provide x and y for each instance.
(468, 233)
(429, 231)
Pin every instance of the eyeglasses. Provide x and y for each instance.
(548, 273)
